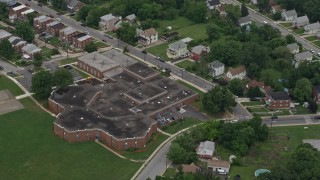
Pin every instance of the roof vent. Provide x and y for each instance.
(81, 118)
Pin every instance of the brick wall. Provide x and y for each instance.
(90, 69)
(55, 107)
(280, 104)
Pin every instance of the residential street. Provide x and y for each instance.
(292, 120)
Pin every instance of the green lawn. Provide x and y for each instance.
(81, 73)
(185, 64)
(54, 41)
(299, 31)
(152, 146)
(100, 44)
(258, 109)
(273, 151)
(47, 53)
(6, 83)
(159, 50)
(287, 24)
(30, 150)
(283, 113)
(317, 43)
(177, 23)
(170, 173)
(252, 103)
(196, 31)
(178, 125)
(301, 110)
(311, 38)
(252, 6)
(67, 61)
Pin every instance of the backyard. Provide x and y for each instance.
(6, 83)
(30, 150)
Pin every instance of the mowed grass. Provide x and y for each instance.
(30, 150)
(258, 109)
(185, 64)
(67, 61)
(252, 103)
(287, 24)
(181, 124)
(311, 38)
(196, 31)
(159, 50)
(317, 43)
(177, 23)
(6, 83)
(299, 31)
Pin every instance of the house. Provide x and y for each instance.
(54, 27)
(316, 93)
(300, 21)
(29, 51)
(9, 2)
(198, 51)
(15, 12)
(169, 36)
(216, 68)
(190, 168)
(278, 100)
(275, 9)
(303, 56)
(25, 13)
(67, 34)
(216, 165)
(213, 4)
(186, 40)
(82, 41)
(74, 5)
(243, 21)
(4, 35)
(17, 43)
(206, 149)
(40, 23)
(260, 84)
(148, 36)
(177, 50)
(239, 72)
(108, 22)
(289, 15)
(130, 18)
(293, 48)
(254, 1)
(222, 10)
(312, 28)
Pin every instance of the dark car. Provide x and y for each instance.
(274, 117)
(10, 73)
(144, 51)
(30, 70)
(59, 14)
(316, 117)
(67, 67)
(83, 24)
(40, 4)
(1, 68)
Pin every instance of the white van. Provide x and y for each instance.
(221, 171)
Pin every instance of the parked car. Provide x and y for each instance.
(67, 67)
(316, 117)
(144, 51)
(10, 73)
(83, 24)
(59, 14)
(30, 70)
(1, 68)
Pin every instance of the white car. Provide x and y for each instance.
(265, 22)
(312, 50)
(58, 19)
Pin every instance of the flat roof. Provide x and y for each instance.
(145, 92)
(84, 38)
(141, 70)
(99, 61)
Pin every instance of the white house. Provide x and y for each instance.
(216, 165)
(239, 72)
(289, 15)
(312, 28)
(243, 21)
(300, 21)
(148, 36)
(206, 149)
(294, 48)
(216, 68)
(177, 50)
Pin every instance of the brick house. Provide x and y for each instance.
(24, 14)
(206, 149)
(148, 36)
(40, 23)
(238, 72)
(316, 93)
(278, 100)
(198, 51)
(67, 34)
(29, 51)
(108, 22)
(54, 27)
(4, 35)
(15, 12)
(17, 43)
(74, 5)
(82, 41)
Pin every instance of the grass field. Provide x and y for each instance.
(170, 173)
(258, 109)
(317, 43)
(177, 23)
(311, 38)
(299, 31)
(275, 151)
(301, 110)
(67, 61)
(147, 153)
(196, 31)
(159, 50)
(6, 83)
(181, 124)
(252, 103)
(288, 24)
(191, 87)
(54, 41)
(100, 44)
(185, 64)
(30, 150)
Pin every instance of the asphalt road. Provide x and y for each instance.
(119, 44)
(292, 120)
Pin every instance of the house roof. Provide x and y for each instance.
(277, 8)
(72, 3)
(199, 49)
(290, 13)
(84, 38)
(303, 55)
(149, 32)
(281, 95)
(14, 40)
(255, 83)
(68, 30)
(28, 11)
(301, 19)
(4, 34)
(186, 40)
(293, 46)
(190, 168)
(99, 61)
(19, 7)
(237, 70)
(42, 19)
(213, 2)
(316, 88)
(311, 27)
(219, 163)
(107, 17)
(131, 17)
(177, 45)
(215, 64)
(53, 23)
(245, 19)
(31, 48)
(206, 148)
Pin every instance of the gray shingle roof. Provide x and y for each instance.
(301, 19)
(313, 26)
(131, 17)
(30, 48)
(293, 46)
(72, 3)
(303, 55)
(4, 34)
(177, 45)
(215, 64)
(107, 17)
(290, 13)
(198, 49)
(245, 19)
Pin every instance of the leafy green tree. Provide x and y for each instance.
(311, 8)
(313, 106)
(196, 11)
(213, 31)
(6, 49)
(30, 18)
(127, 33)
(59, 4)
(25, 31)
(62, 78)
(149, 23)
(42, 84)
(254, 92)
(37, 60)
(270, 77)
(281, 52)
(236, 86)
(264, 5)
(229, 52)
(276, 16)
(149, 11)
(290, 39)
(94, 15)
(219, 99)
(302, 91)
(178, 155)
(83, 13)
(233, 13)
(91, 47)
(244, 10)
(4, 11)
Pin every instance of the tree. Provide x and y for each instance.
(127, 33)
(276, 16)
(281, 52)
(264, 5)
(244, 10)
(196, 11)
(30, 18)
(311, 8)
(254, 92)
(270, 77)
(94, 15)
(290, 39)
(233, 13)
(59, 4)
(37, 60)
(62, 78)
(4, 11)
(25, 31)
(149, 23)
(219, 99)
(236, 86)
(313, 106)
(303, 89)
(42, 84)
(91, 47)
(177, 154)
(83, 13)
(229, 52)
(213, 31)
(149, 11)
(6, 49)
